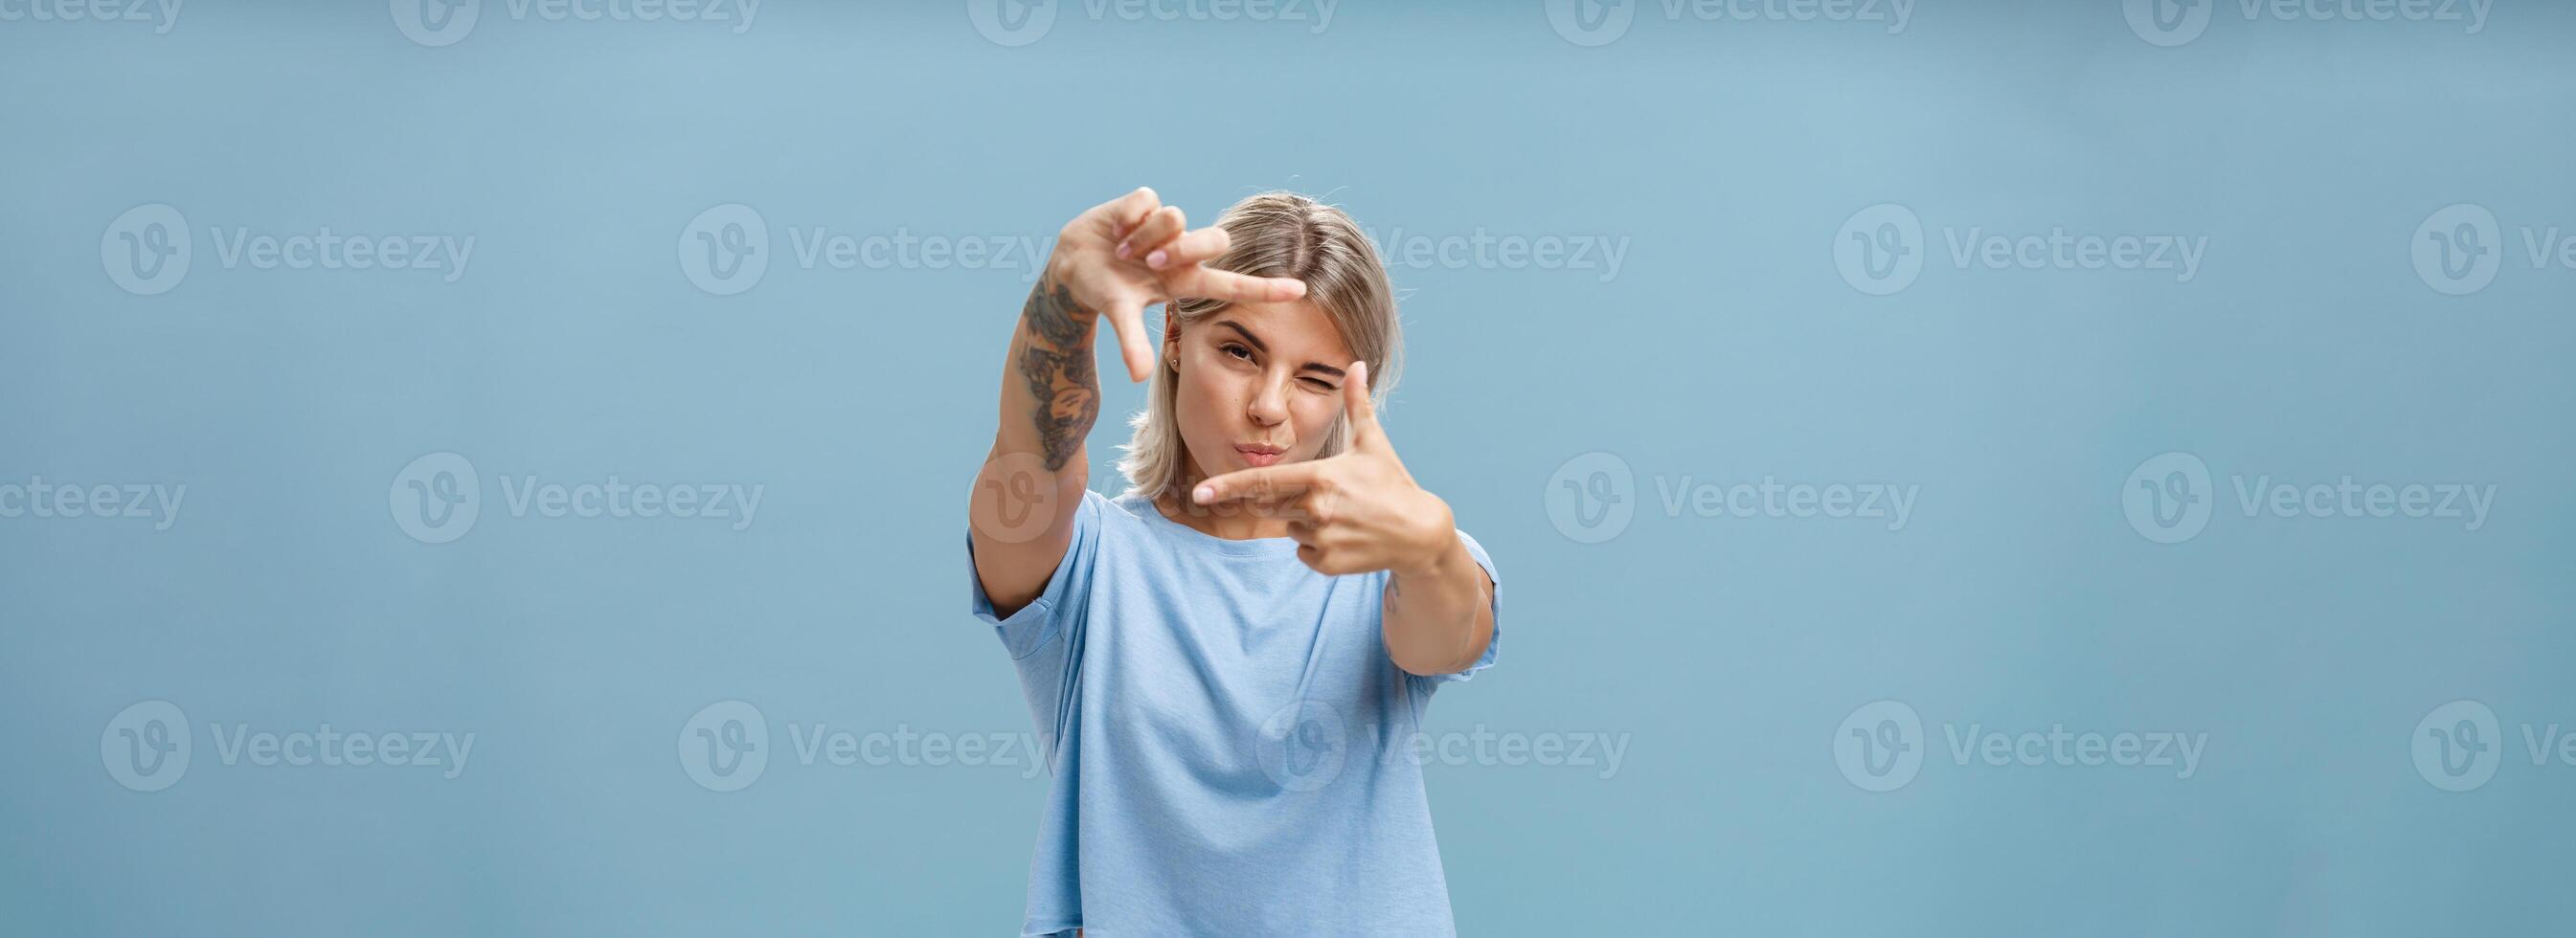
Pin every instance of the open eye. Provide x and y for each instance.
(1236, 351)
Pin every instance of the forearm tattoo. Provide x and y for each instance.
(1055, 360)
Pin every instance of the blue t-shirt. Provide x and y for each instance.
(1231, 750)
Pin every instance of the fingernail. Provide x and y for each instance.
(1124, 250)
(1204, 493)
(1157, 259)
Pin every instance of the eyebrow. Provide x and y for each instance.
(1265, 348)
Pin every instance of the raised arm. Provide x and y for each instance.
(1113, 260)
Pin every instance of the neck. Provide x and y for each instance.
(1233, 521)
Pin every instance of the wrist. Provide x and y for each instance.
(1440, 552)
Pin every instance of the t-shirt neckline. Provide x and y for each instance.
(1201, 540)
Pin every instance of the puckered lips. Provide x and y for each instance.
(1258, 455)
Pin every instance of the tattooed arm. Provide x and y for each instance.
(1111, 262)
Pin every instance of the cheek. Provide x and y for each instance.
(1203, 400)
(1315, 416)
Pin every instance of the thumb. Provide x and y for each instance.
(1359, 409)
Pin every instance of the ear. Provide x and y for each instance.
(1171, 335)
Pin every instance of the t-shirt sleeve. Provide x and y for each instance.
(1495, 642)
(1033, 626)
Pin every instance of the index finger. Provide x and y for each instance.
(1265, 484)
(1226, 285)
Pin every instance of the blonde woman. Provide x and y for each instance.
(1229, 662)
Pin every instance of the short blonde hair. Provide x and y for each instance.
(1277, 234)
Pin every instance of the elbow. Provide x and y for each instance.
(1450, 658)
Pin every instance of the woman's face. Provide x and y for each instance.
(1261, 384)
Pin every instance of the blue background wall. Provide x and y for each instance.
(1744, 336)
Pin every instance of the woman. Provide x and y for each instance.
(1229, 662)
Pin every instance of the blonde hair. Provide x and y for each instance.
(1277, 234)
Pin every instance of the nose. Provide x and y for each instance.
(1269, 404)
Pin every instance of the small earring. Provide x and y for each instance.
(1176, 364)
